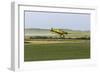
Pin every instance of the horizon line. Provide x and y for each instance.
(57, 28)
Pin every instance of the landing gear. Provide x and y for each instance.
(62, 36)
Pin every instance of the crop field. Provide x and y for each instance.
(40, 50)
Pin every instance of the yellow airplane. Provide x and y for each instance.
(59, 31)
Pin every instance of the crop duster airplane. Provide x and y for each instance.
(59, 31)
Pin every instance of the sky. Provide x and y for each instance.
(48, 20)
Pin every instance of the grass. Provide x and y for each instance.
(57, 51)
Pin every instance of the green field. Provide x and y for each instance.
(67, 49)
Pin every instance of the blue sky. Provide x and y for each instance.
(48, 20)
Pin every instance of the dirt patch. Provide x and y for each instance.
(54, 42)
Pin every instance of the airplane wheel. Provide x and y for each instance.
(62, 36)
